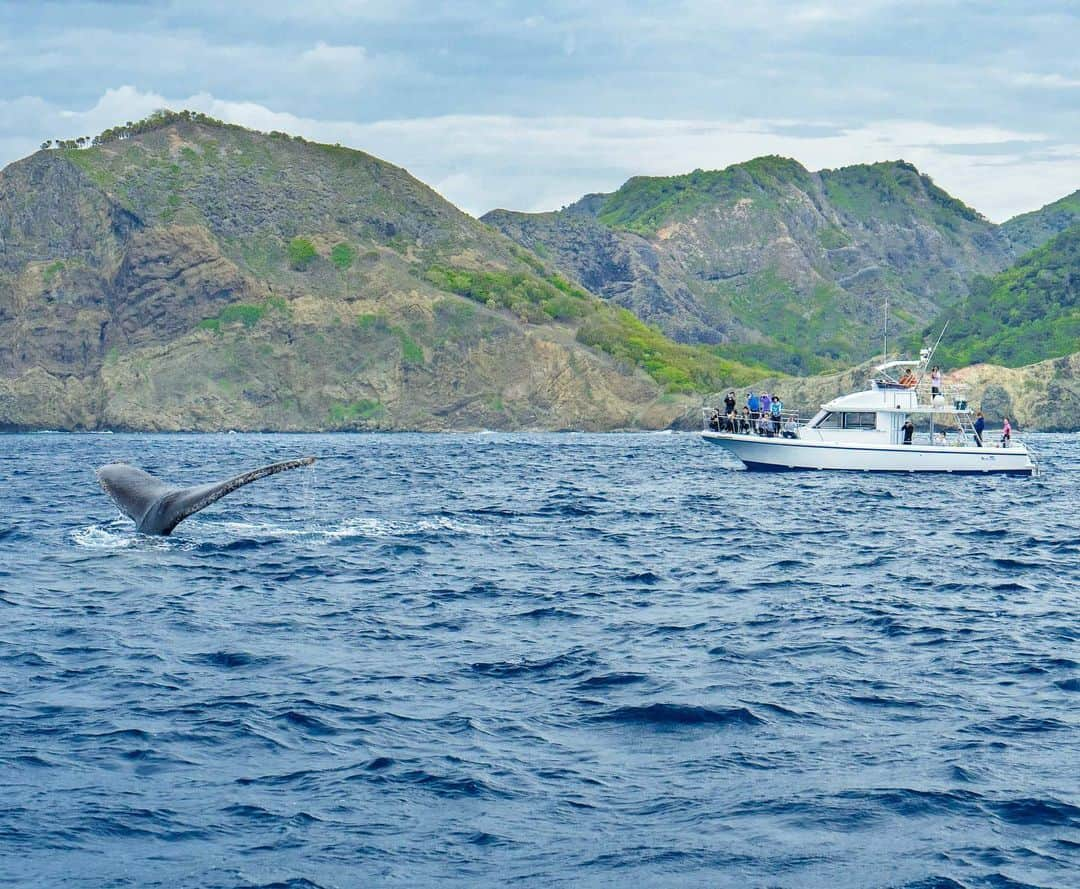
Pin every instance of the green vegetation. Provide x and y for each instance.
(248, 314)
(51, 271)
(343, 414)
(893, 191)
(805, 333)
(676, 367)
(1027, 313)
(1031, 230)
(411, 351)
(343, 256)
(531, 298)
(833, 238)
(645, 203)
(301, 254)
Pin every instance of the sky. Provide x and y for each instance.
(530, 105)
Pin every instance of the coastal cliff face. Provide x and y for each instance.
(767, 253)
(200, 276)
(190, 275)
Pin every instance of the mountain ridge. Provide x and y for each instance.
(768, 257)
(182, 273)
(187, 274)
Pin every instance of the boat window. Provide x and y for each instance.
(861, 420)
(847, 420)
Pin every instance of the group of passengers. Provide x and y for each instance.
(761, 415)
(909, 380)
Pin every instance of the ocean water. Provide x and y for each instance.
(547, 660)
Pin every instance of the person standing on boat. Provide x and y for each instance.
(935, 382)
(1006, 432)
(766, 403)
(729, 403)
(777, 410)
(754, 403)
(980, 425)
(909, 430)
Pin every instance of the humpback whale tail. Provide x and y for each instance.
(157, 508)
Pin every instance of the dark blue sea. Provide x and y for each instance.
(536, 660)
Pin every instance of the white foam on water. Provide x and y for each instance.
(355, 527)
(111, 536)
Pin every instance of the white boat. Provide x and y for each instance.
(865, 431)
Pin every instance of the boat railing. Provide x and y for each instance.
(953, 395)
(788, 423)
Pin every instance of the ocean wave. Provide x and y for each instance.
(536, 660)
(674, 715)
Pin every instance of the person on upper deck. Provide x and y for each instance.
(935, 381)
(754, 403)
(729, 402)
(766, 403)
(908, 379)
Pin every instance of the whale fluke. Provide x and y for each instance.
(157, 507)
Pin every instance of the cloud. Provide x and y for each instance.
(327, 54)
(1045, 81)
(539, 163)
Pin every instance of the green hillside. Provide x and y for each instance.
(646, 203)
(770, 261)
(1031, 230)
(185, 273)
(1026, 314)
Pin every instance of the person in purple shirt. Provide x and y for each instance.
(766, 403)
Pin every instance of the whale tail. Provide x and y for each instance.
(157, 508)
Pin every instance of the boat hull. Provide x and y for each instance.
(775, 454)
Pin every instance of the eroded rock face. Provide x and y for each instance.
(112, 259)
(50, 210)
(620, 266)
(170, 279)
(770, 250)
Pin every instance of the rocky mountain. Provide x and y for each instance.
(1025, 314)
(181, 273)
(777, 262)
(1031, 230)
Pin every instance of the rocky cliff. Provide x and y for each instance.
(1031, 230)
(186, 274)
(767, 253)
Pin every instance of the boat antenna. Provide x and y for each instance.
(929, 357)
(885, 345)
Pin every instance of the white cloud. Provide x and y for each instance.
(328, 54)
(538, 163)
(1046, 81)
